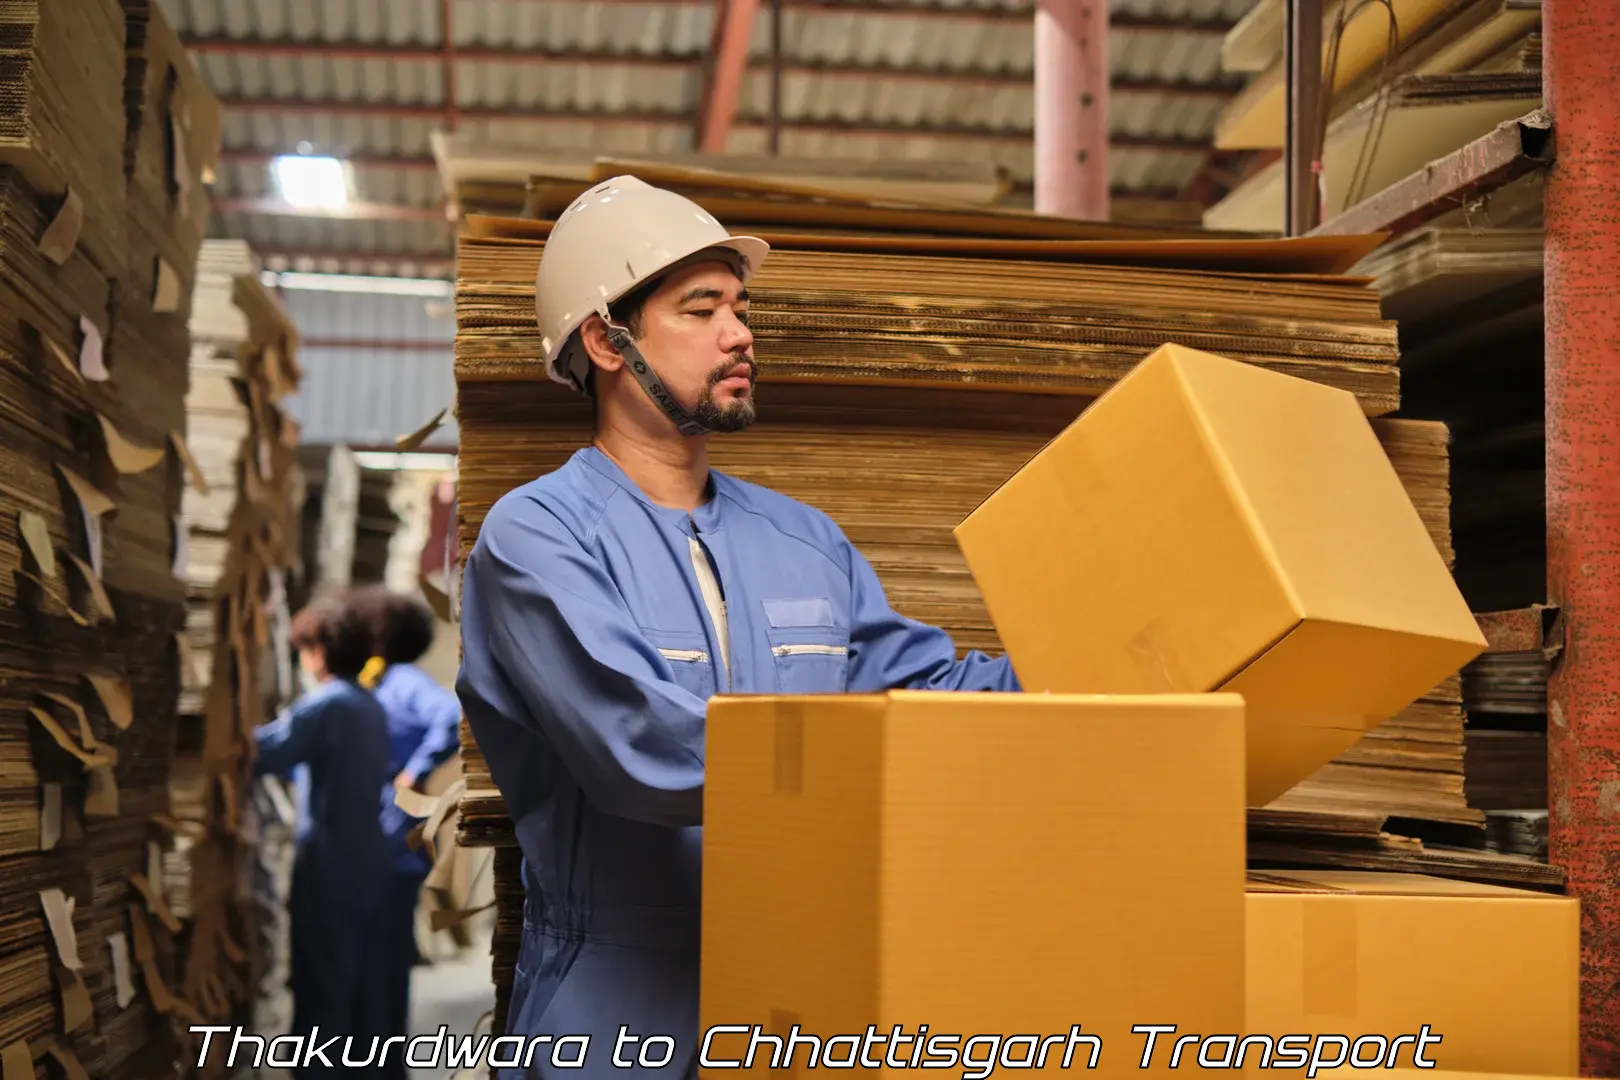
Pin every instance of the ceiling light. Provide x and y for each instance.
(397, 286)
(312, 182)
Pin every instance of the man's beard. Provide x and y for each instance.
(733, 416)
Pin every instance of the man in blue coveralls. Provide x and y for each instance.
(606, 602)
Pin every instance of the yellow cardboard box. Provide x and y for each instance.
(1212, 525)
(1491, 974)
(972, 867)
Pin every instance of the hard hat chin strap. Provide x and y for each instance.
(648, 378)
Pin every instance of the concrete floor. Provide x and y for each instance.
(455, 992)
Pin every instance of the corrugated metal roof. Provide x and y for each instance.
(371, 398)
(647, 29)
(370, 395)
(594, 105)
(419, 238)
(364, 316)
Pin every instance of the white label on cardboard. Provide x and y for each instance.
(92, 364)
(59, 914)
(119, 945)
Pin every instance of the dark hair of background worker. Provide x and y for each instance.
(332, 639)
(402, 627)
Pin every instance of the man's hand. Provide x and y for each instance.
(404, 780)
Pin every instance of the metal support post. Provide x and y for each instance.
(1071, 108)
(1582, 294)
(1302, 57)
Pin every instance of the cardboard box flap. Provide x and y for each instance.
(1308, 465)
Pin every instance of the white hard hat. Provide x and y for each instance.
(611, 239)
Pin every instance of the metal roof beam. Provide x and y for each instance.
(354, 211)
(359, 161)
(499, 55)
(1511, 150)
(427, 263)
(723, 73)
(969, 13)
(825, 127)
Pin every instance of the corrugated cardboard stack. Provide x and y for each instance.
(92, 453)
(898, 454)
(242, 534)
(1053, 317)
(58, 126)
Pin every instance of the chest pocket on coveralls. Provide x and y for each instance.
(687, 653)
(809, 645)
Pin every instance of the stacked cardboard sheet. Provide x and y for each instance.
(926, 314)
(171, 149)
(1506, 691)
(92, 463)
(242, 535)
(61, 120)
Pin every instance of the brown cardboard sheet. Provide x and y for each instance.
(61, 236)
(114, 693)
(101, 606)
(193, 470)
(16, 1061)
(126, 456)
(414, 439)
(90, 759)
(36, 537)
(72, 1068)
(1315, 255)
(56, 349)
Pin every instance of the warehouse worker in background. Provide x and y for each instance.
(423, 723)
(604, 603)
(339, 733)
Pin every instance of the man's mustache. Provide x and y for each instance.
(723, 371)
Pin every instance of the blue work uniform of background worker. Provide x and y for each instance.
(423, 723)
(596, 622)
(337, 736)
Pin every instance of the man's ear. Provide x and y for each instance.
(593, 334)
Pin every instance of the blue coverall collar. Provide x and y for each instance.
(707, 515)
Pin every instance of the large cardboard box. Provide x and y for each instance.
(1493, 972)
(983, 864)
(1208, 524)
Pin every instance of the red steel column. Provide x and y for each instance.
(1582, 86)
(1071, 108)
